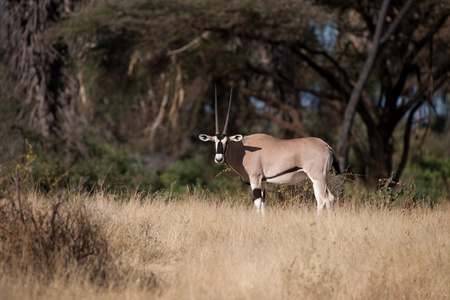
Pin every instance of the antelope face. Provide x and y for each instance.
(221, 143)
(221, 140)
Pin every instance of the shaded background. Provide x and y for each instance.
(113, 94)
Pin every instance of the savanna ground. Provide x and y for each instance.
(197, 246)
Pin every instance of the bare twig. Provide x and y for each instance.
(191, 44)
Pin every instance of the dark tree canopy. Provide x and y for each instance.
(142, 73)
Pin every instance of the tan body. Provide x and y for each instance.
(260, 158)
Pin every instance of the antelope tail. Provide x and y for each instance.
(336, 166)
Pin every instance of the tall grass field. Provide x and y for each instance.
(195, 246)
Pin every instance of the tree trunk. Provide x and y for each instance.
(380, 157)
(378, 44)
(350, 110)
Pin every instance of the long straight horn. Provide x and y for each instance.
(217, 120)
(228, 113)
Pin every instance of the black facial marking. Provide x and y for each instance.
(219, 148)
(294, 169)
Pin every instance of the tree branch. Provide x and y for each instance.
(296, 125)
(394, 25)
(349, 115)
(191, 44)
(332, 80)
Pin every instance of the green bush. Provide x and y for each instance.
(189, 173)
(431, 176)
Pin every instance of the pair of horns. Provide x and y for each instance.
(228, 113)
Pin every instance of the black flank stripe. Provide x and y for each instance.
(294, 169)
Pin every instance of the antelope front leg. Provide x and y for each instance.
(258, 196)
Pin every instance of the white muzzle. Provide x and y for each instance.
(219, 159)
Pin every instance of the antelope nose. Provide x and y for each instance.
(219, 159)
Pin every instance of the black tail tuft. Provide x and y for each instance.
(336, 166)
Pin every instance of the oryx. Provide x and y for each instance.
(260, 158)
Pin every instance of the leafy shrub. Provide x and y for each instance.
(182, 173)
(431, 176)
(189, 173)
(101, 166)
(109, 168)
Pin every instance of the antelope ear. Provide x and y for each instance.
(236, 138)
(205, 137)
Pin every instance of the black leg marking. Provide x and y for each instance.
(257, 194)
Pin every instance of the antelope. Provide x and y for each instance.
(261, 158)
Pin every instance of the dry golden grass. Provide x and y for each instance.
(201, 248)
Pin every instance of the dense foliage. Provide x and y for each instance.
(112, 94)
